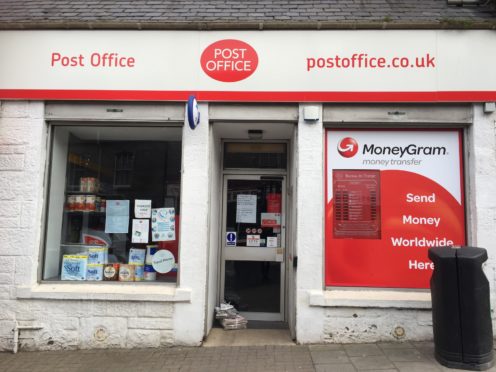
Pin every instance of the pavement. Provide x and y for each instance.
(384, 357)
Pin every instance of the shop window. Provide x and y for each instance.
(113, 209)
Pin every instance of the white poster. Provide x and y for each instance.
(272, 242)
(140, 230)
(117, 217)
(163, 224)
(246, 208)
(253, 240)
(142, 208)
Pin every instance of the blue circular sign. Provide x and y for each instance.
(231, 237)
(193, 112)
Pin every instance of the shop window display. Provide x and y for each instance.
(113, 209)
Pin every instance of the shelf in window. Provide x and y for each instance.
(89, 212)
(86, 193)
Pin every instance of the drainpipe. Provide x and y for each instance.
(17, 330)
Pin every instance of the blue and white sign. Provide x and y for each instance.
(231, 239)
(193, 112)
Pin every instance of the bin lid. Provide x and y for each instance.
(472, 253)
(439, 253)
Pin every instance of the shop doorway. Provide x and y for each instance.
(254, 217)
(253, 262)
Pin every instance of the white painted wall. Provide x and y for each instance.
(482, 196)
(189, 318)
(214, 225)
(292, 236)
(309, 228)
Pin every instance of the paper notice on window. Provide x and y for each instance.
(270, 219)
(163, 224)
(272, 242)
(253, 240)
(140, 230)
(142, 208)
(117, 217)
(246, 208)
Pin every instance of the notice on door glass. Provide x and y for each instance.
(246, 208)
(356, 204)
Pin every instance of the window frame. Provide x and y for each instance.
(51, 126)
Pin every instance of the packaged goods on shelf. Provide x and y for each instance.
(90, 203)
(97, 255)
(126, 273)
(139, 273)
(94, 272)
(150, 251)
(74, 267)
(137, 256)
(89, 184)
(150, 274)
(70, 204)
(111, 272)
(79, 203)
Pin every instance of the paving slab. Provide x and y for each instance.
(326, 347)
(362, 350)
(417, 367)
(395, 345)
(384, 357)
(371, 362)
(405, 355)
(330, 357)
(335, 368)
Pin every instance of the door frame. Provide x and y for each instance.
(263, 254)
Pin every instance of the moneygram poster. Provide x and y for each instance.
(390, 195)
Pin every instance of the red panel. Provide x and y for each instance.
(247, 96)
(395, 256)
(357, 211)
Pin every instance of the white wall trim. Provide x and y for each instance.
(105, 292)
(370, 298)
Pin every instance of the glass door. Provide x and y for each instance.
(253, 245)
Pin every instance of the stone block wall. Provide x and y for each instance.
(349, 325)
(81, 324)
(63, 324)
(22, 145)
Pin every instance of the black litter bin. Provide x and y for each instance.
(461, 313)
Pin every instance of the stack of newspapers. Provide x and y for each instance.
(229, 317)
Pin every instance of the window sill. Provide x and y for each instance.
(401, 299)
(105, 292)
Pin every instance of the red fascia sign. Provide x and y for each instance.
(390, 195)
(249, 66)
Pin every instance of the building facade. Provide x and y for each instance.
(300, 174)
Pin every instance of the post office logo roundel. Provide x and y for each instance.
(229, 60)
